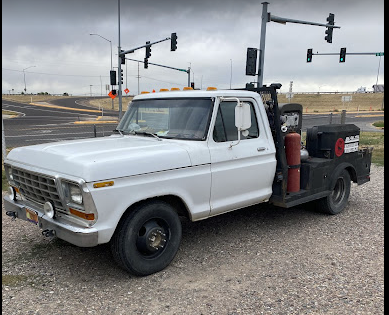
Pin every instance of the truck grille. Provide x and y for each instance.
(37, 188)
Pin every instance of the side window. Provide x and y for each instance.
(225, 129)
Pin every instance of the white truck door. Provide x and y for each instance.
(242, 174)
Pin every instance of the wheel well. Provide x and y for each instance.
(353, 173)
(176, 202)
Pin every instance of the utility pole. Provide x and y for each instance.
(230, 74)
(138, 77)
(119, 66)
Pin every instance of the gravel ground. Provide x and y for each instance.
(258, 260)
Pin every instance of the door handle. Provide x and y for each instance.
(261, 149)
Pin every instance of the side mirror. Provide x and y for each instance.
(242, 116)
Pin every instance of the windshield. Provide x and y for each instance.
(168, 118)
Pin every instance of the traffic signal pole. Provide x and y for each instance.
(267, 17)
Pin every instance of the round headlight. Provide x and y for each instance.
(11, 193)
(48, 209)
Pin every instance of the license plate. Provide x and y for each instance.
(32, 216)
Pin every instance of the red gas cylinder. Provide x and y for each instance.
(293, 159)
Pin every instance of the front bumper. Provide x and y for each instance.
(80, 236)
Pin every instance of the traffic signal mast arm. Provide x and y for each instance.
(347, 53)
(155, 64)
(143, 46)
(277, 19)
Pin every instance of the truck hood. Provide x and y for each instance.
(103, 158)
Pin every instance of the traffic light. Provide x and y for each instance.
(251, 61)
(122, 58)
(121, 76)
(113, 92)
(148, 50)
(329, 30)
(112, 75)
(146, 63)
(173, 42)
(342, 55)
(309, 55)
(192, 85)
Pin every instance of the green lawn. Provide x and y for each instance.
(375, 140)
(379, 124)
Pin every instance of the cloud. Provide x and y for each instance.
(212, 35)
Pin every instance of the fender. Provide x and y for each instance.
(335, 174)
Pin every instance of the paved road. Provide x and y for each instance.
(41, 124)
(363, 120)
(37, 124)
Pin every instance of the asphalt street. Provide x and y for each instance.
(70, 119)
(42, 124)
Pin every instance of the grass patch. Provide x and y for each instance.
(28, 98)
(333, 102)
(375, 140)
(8, 112)
(379, 124)
(12, 280)
(4, 182)
(106, 103)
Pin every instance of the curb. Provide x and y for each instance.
(95, 122)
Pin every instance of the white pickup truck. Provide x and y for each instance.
(184, 153)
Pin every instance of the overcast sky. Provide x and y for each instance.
(51, 38)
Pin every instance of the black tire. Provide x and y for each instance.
(147, 239)
(338, 199)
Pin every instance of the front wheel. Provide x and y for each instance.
(147, 239)
(337, 200)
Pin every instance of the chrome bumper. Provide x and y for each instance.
(80, 236)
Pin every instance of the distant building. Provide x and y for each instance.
(362, 89)
(378, 88)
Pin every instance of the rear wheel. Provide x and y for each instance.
(337, 200)
(147, 240)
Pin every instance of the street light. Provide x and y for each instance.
(320, 87)
(231, 74)
(24, 76)
(111, 55)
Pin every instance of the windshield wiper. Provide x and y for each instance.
(147, 133)
(119, 131)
